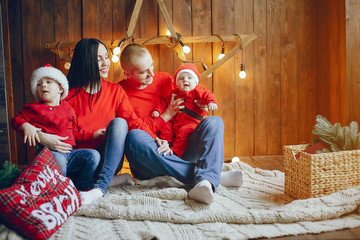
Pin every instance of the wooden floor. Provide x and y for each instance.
(277, 163)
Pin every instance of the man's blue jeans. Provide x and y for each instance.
(112, 153)
(202, 159)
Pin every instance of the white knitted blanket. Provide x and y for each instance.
(160, 208)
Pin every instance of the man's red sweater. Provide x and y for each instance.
(110, 102)
(144, 100)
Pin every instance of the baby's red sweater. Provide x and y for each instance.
(110, 102)
(144, 100)
(59, 120)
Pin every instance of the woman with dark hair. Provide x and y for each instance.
(101, 104)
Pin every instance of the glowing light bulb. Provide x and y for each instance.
(115, 58)
(221, 55)
(168, 32)
(116, 51)
(242, 73)
(67, 65)
(186, 49)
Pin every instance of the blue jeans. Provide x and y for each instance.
(79, 165)
(202, 159)
(112, 153)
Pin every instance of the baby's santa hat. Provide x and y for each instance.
(189, 68)
(49, 71)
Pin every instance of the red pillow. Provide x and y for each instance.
(40, 200)
(319, 146)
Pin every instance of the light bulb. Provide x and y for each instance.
(67, 65)
(205, 68)
(221, 55)
(168, 32)
(115, 58)
(186, 49)
(242, 73)
(116, 51)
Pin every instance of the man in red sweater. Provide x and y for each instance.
(201, 162)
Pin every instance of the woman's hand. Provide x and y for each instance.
(174, 106)
(54, 142)
(98, 133)
(163, 146)
(31, 135)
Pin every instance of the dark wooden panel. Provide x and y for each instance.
(353, 58)
(148, 23)
(289, 72)
(8, 82)
(331, 72)
(260, 78)
(182, 24)
(166, 54)
(307, 70)
(61, 31)
(90, 18)
(273, 81)
(31, 43)
(14, 14)
(118, 32)
(244, 88)
(74, 8)
(201, 25)
(224, 77)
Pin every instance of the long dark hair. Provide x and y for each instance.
(84, 69)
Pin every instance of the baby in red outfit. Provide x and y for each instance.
(183, 124)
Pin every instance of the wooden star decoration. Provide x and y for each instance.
(172, 40)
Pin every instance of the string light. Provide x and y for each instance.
(205, 68)
(116, 51)
(115, 58)
(242, 73)
(67, 65)
(222, 54)
(185, 48)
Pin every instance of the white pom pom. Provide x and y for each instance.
(235, 159)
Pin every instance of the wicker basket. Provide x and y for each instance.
(315, 175)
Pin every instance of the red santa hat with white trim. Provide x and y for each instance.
(49, 71)
(189, 68)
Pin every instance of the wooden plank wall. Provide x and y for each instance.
(291, 76)
(353, 58)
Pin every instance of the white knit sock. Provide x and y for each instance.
(202, 192)
(124, 178)
(90, 196)
(232, 178)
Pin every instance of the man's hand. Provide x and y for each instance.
(174, 106)
(163, 146)
(31, 135)
(54, 142)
